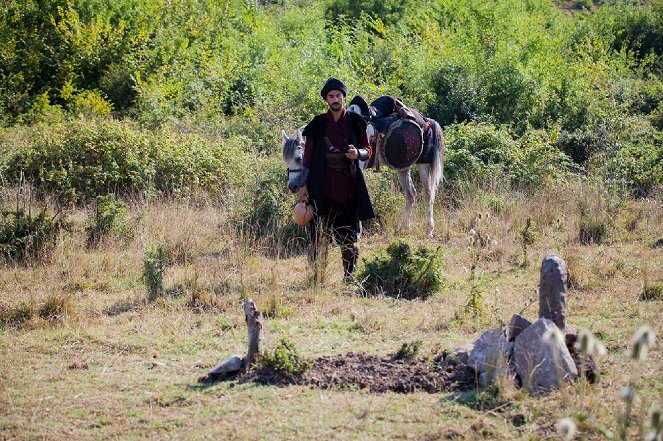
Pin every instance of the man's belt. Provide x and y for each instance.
(338, 162)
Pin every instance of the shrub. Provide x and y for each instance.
(266, 211)
(109, 216)
(652, 292)
(286, 358)
(155, 262)
(57, 307)
(16, 315)
(82, 159)
(636, 166)
(400, 272)
(477, 150)
(25, 237)
(593, 226)
(408, 350)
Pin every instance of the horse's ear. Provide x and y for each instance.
(285, 137)
(299, 135)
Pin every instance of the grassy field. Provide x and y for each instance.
(92, 358)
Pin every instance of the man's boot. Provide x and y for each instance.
(349, 256)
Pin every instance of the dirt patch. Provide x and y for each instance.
(362, 371)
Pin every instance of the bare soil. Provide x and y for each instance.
(362, 371)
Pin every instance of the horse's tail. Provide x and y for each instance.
(437, 164)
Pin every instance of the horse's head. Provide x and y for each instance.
(293, 156)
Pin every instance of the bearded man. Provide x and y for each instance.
(332, 180)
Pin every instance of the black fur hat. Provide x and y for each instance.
(333, 84)
(363, 105)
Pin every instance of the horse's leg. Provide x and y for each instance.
(408, 190)
(429, 194)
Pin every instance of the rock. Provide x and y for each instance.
(552, 290)
(232, 364)
(516, 326)
(487, 357)
(542, 365)
(459, 355)
(585, 363)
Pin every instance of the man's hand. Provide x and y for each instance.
(352, 152)
(302, 193)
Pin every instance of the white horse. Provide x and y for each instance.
(430, 173)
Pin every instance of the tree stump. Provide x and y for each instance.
(236, 364)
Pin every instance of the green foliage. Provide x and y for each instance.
(527, 237)
(408, 350)
(266, 211)
(109, 216)
(157, 258)
(521, 86)
(24, 237)
(286, 357)
(401, 272)
(82, 159)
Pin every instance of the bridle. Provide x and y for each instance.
(295, 170)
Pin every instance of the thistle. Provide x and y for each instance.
(642, 340)
(566, 427)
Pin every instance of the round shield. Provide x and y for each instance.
(402, 144)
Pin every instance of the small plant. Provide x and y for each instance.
(642, 340)
(476, 305)
(25, 237)
(286, 358)
(401, 272)
(527, 238)
(16, 315)
(593, 225)
(155, 262)
(110, 216)
(408, 350)
(56, 308)
(652, 292)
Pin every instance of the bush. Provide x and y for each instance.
(636, 166)
(266, 211)
(24, 237)
(476, 150)
(109, 216)
(400, 272)
(155, 262)
(286, 358)
(593, 224)
(82, 159)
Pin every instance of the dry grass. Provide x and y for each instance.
(106, 363)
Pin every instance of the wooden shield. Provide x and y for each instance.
(402, 144)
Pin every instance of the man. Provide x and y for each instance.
(332, 181)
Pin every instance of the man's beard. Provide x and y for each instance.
(335, 106)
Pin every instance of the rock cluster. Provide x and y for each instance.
(539, 356)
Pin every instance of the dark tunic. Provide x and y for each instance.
(324, 182)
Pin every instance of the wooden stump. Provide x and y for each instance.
(236, 364)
